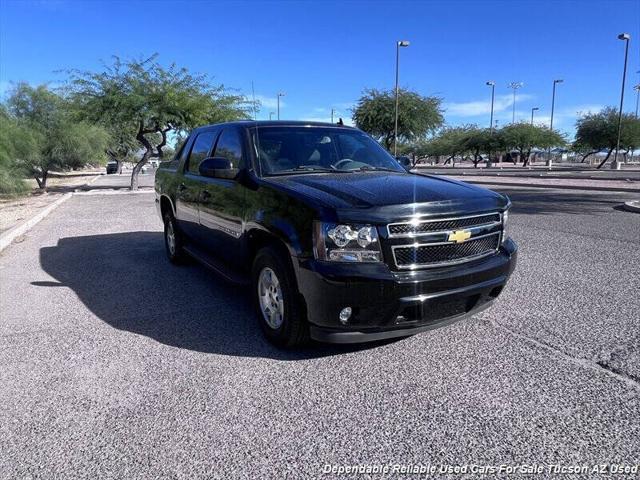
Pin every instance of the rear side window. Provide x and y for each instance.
(201, 148)
(230, 147)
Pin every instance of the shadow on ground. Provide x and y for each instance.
(126, 281)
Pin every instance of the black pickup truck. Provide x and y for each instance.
(338, 242)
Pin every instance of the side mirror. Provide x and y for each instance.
(217, 167)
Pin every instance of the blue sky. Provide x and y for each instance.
(323, 54)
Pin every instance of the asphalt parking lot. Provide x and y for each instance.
(116, 364)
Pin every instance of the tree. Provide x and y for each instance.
(465, 141)
(523, 137)
(417, 115)
(599, 131)
(18, 146)
(147, 101)
(482, 141)
(60, 141)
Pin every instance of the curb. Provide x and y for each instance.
(114, 192)
(632, 206)
(7, 238)
(561, 187)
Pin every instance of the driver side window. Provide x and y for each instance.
(201, 148)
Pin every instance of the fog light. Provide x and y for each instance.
(345, 314)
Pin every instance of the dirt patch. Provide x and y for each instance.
(14, 211)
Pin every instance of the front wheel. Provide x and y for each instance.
(276, 298)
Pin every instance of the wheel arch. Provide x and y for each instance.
(258, 239)
(166, 205)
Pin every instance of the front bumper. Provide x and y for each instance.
(388, 304)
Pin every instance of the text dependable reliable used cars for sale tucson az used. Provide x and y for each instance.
(337, 241)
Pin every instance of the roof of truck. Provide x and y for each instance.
(277, 123)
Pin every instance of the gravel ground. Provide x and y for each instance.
(116, 364)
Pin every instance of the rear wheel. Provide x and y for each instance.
(280, 311)
(172, 240)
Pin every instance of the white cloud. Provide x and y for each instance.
(483, 107)
(270, 102)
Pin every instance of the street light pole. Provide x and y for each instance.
(553, 105)
(515, 86)
(637, 89)
(626, 37)
(492, 84)
(332, 112)
(553, 101)
(401, 43)
(280, 94)
(533, 110)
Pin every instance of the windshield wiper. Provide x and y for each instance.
(304, 168)
(311, 168)
(371, 167)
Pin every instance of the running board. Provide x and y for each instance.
(230, 275)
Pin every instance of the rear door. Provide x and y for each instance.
(222, 202)
(190, 186)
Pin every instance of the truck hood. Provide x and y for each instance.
(387, 192)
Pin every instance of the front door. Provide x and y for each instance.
(190, 185)
(222, 203)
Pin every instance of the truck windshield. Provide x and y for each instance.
(283, 150)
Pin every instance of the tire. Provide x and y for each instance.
(289, 327)
(174, 250)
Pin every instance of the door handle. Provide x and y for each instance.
(182, 187)
(205, 195)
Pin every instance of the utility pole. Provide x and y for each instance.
(401, 43)
(515, 86)
(626, 37)
(492, 84)
(553, 104)
(533, 110)
(280, 94)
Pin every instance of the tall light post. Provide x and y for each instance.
(533, 110)
(637, 89)
(492, 84)
(553, 100)
(333, 110)
(553, 105)
(626, 37)
(515, 86)
(400, 43)
(280, 94)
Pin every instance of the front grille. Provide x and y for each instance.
(436, 254)
(408, 229)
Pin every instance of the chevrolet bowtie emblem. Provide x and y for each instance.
(459, 236)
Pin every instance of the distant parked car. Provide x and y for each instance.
(154, 163)
(112, 167)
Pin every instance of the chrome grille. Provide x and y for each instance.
(437, 254)
(437, 225)
(433, 242)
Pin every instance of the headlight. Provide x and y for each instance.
(505, 225)
(346, 243)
